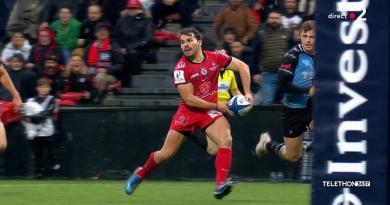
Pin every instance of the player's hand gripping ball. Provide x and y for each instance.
(239, 105)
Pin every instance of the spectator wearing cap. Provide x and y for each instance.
(103, 58)
(53, 71)
(46, 45)
(87, 31)
(163, 8)
(23, 79)
(18, 44)
(238, 16)
(134, 33)
(67, 31)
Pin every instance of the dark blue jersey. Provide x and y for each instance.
(299, 68)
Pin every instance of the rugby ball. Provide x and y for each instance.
(239, 105)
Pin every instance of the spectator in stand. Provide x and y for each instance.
(53, 71)
(45, 45)
(246, 55)
(134, 33)
(5, 11)
(87, 31)
(67, 31)
(229, 36)
(39, 121)
(238, 16)
(163, 8)
(307, 9)
(257, 7)
(23, 79)
(208, 44)
(274, 41)
(109, 7)
(77, 86)
(18, 44)
(104, 59)
(52, 7)
(25, 17)
(291, 18)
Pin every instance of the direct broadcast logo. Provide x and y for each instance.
(350, 11)
(351, 16)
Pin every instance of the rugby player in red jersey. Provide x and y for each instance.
(6, 82)
(196, 79)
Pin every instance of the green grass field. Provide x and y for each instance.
(101, 192)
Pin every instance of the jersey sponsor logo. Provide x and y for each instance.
(203, 71)
(214, 66)
(181, 65)
(207, 95)
(181, 119)
(308, 75)
(179, 76)
(286, 66)
(204, 87)
(194, 76)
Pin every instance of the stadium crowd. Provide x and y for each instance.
(89, 47)
(78, 50)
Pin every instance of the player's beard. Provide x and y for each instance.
(192, 56)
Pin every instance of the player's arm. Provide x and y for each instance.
(8, 85)
(233, 87)
(186, 92)
(243, 69)
(286, 85)
(286, 75)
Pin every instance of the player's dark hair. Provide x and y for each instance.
(43, 82)
(191, 32)
(308, 26)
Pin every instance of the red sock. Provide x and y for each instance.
(223, 162)
(149, 166)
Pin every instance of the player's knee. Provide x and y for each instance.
(165, 156)
(212, 150)
(226, 141)
(3, 147)
(294, 157)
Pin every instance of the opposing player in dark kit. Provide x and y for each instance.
(296, 76)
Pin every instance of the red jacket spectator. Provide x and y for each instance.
(45, 46)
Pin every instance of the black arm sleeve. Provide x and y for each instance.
(285, 83)
(286, 73)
